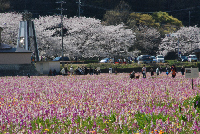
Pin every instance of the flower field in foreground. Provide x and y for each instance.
(104, 103)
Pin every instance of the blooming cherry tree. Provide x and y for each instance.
(187, 39)
(147, 40)
(10, 24)
(85, 37)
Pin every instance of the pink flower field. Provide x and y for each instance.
(105, 103)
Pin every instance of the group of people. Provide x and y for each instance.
(159, 70)
(85, 71)
(65, 71)
(52, 73)
(94, 71)
(79, 71)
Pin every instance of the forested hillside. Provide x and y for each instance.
(181, 9)
(177, 8)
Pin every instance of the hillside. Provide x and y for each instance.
(181, 9)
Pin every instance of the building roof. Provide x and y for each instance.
(8, 49)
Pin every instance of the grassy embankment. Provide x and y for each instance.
(134, 65)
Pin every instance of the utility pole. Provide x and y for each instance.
(61, 9)
(189, 18)
(79, 7)
(178, 48)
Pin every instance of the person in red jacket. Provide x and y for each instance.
(173, 69)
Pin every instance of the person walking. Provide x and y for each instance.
(86, 70)
(157, 71)
(144, 71)
(173, 70)
(50, 72)
(135, 59)
(71, 70)
(62, 71)
(124, 60)
(54, 72)
(182, 70)
(66, 70)
(160, 69)
(151, 70)
(95, 71)
(91, 71)
(167, 70)
(115, 70)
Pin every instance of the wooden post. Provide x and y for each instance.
(192, 83)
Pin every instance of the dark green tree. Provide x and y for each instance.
(141, 19)
(167, 23)
(4, 5)
(119, 15)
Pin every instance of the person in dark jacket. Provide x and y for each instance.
(95, 71)
(167, 70)
(66, 70)
(160, 69)
(91, 71)
(50, 72)
(182, 70)
(132, 75)
(54, 72)
(86, 70)
(115, 70)
(151, 70)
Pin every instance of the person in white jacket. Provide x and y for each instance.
(71, 70)
(62, 71)
(157, 71)
(144, 71)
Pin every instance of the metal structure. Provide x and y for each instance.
(61, 9)
(79, 7)
(26, 33)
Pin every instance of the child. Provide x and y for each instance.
(132, 75)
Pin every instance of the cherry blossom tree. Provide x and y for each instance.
(147, 40)
(10, 24)
(187, 39)
(87, 37)
(84, 37)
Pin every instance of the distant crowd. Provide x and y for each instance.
(79, 71)
(159, 70)
(84, 71)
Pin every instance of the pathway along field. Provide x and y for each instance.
(105, 103)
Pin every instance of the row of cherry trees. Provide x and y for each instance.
(83, 37)
(87, 37)
(187, 39)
